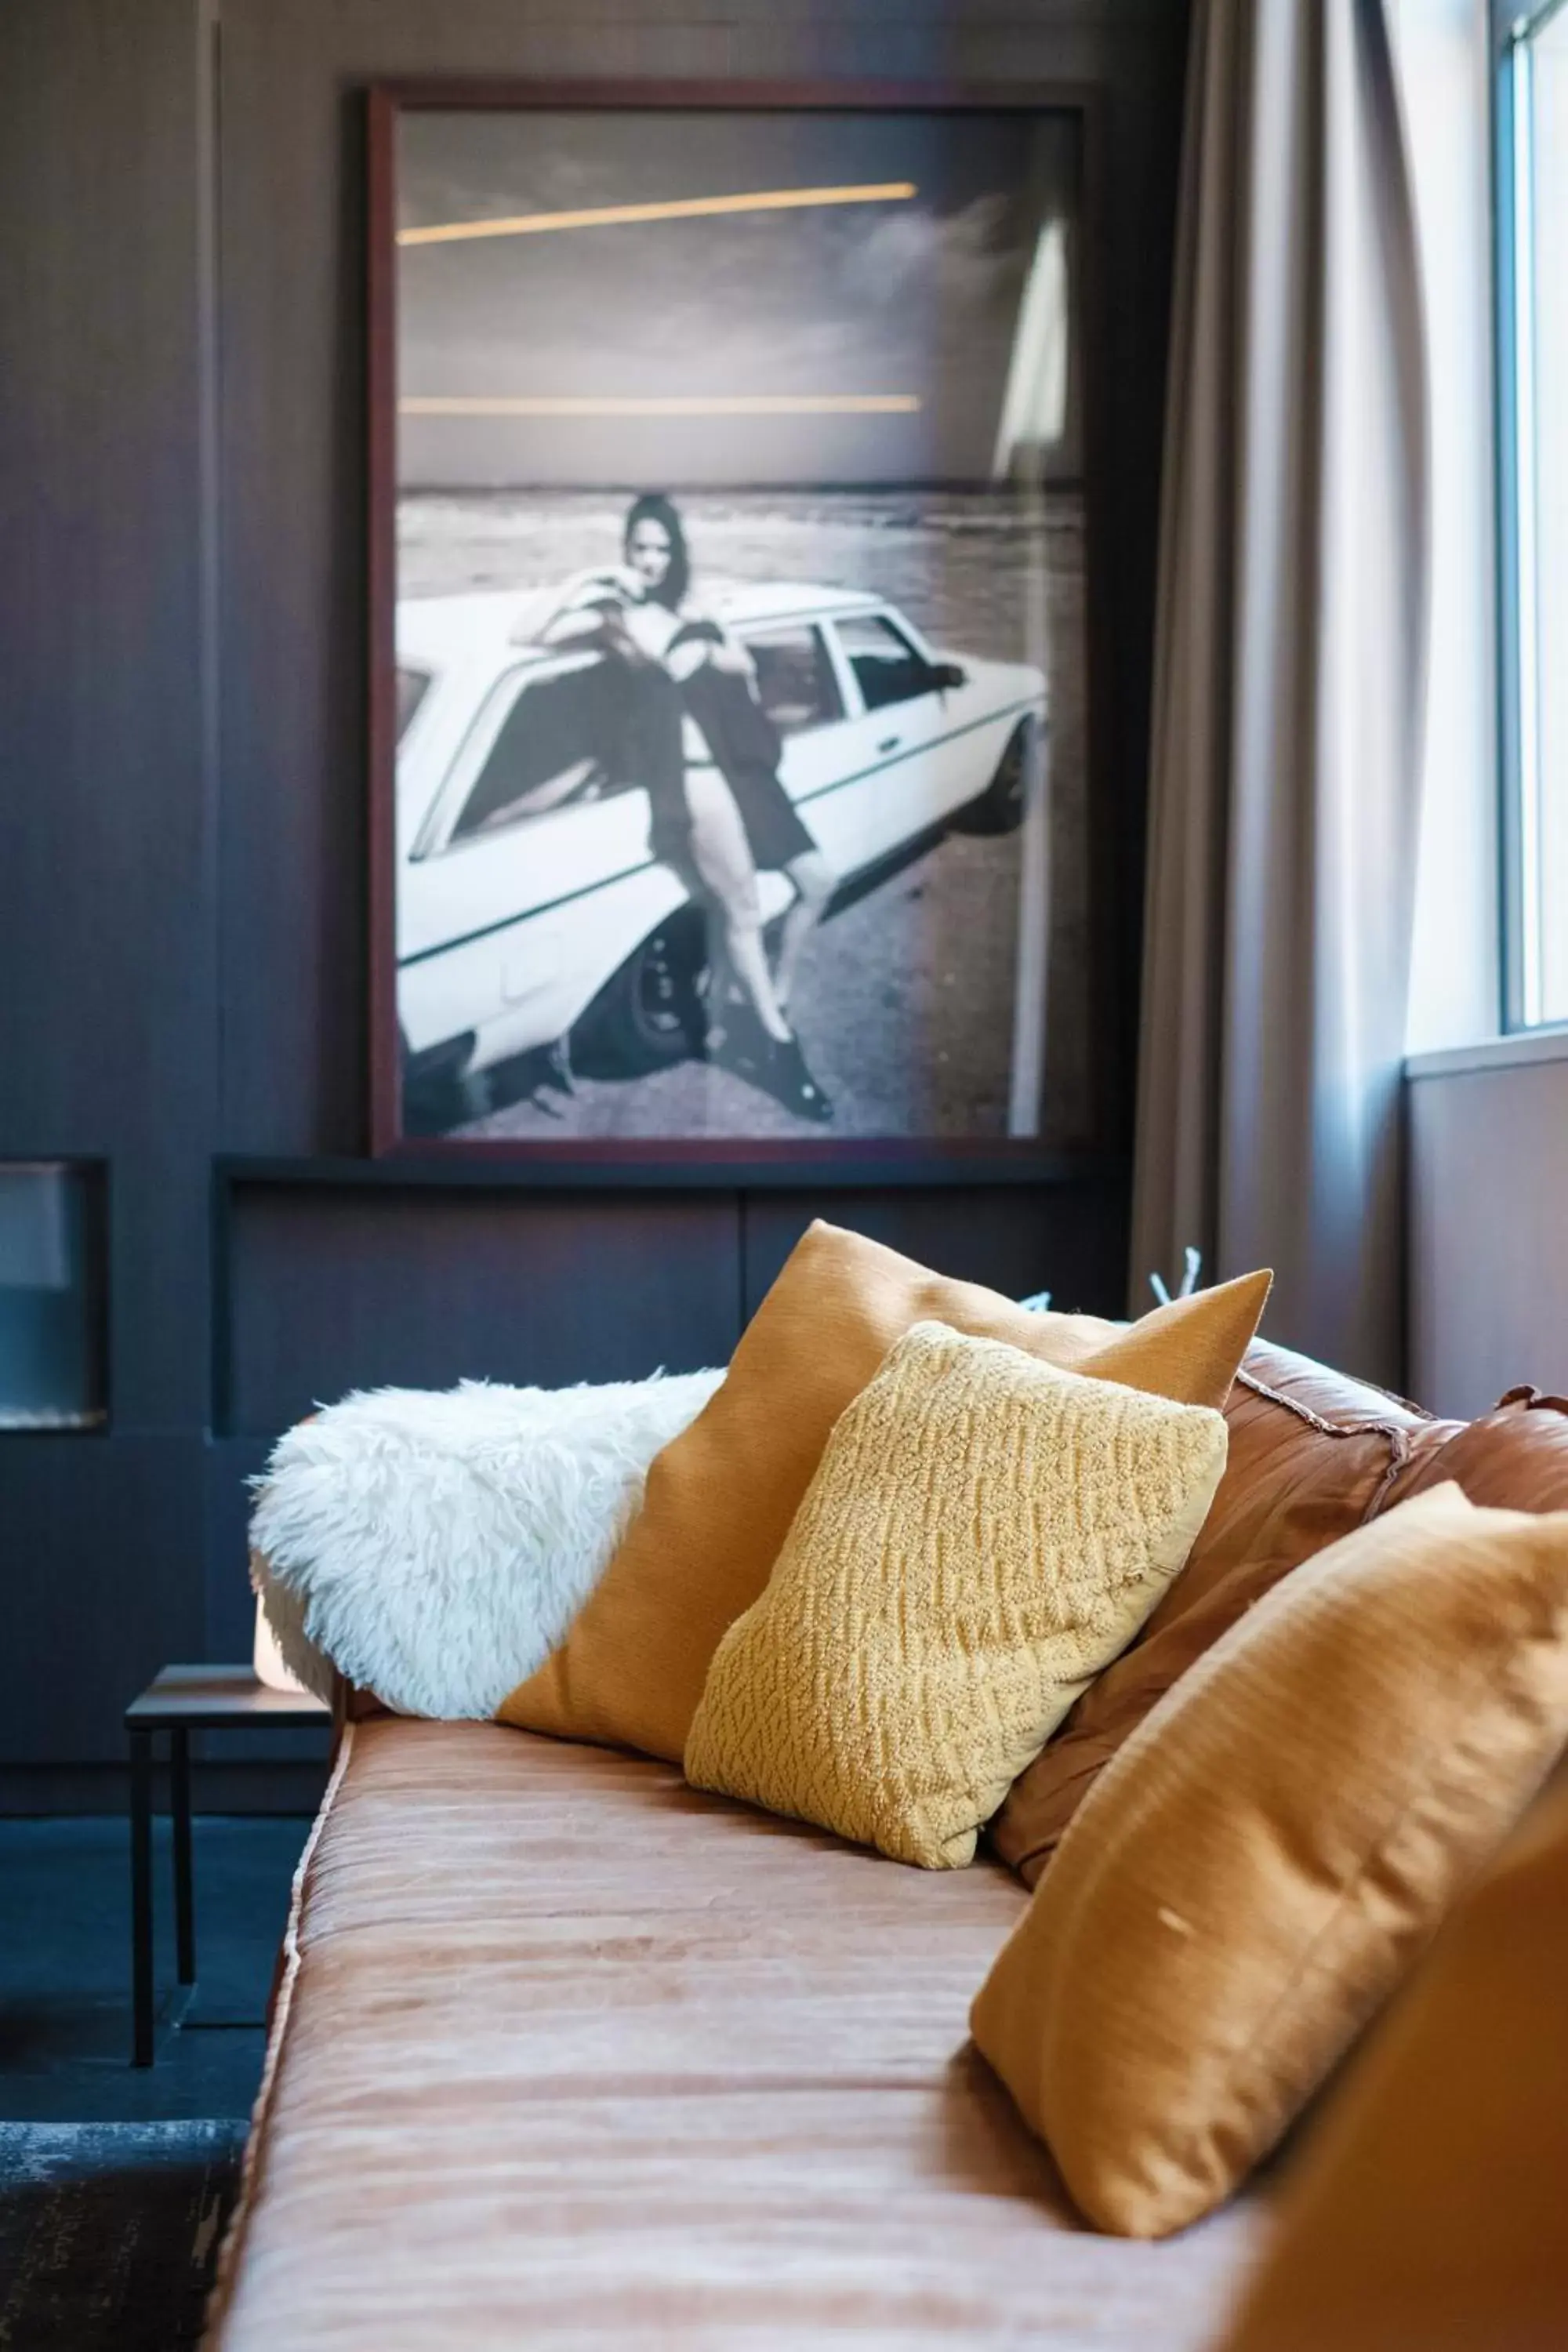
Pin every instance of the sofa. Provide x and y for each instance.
(566, 2053)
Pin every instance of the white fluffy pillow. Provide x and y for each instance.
(435, 1546)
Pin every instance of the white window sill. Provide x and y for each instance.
(1525, 1045)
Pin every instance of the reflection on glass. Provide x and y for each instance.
(51, 1334)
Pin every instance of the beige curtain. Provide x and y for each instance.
(1285, 754)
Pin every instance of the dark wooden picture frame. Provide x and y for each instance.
(667, 1157)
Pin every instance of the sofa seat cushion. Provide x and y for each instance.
(567, 2053)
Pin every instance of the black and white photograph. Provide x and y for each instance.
(741, 772)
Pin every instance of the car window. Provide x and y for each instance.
(886, 666)
(553, 747)
(412, 686)
(796, 683)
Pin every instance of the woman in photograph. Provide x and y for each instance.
(707, 754)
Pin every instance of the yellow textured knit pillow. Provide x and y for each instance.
(720, 1498)
(983, 1534)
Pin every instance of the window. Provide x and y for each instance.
(1446, 56)
(553, 745)
(796, 683)
(1532, 293)
(412, 686)
(886, 666)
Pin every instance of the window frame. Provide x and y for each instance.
(758, 632)
(423, 678)
(897, 627)
(437, 835)
(1514, 29)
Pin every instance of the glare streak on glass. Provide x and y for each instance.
(769, 404)
(1034, 404)
(765, 200)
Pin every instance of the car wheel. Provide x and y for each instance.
(1000, 807)
(649, 1014)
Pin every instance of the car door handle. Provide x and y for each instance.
(889, 742)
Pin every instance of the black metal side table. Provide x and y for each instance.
(180, 1700)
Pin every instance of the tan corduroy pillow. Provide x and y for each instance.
(1258, 1866)
(719, 1499)
(1425, 2210)
(984, 1533)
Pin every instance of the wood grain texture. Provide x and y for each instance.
(1069, 1240)
(100, 1552)
(336, 1291)
(107, 914)
(108, 1037)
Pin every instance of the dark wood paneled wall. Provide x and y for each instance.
(182, 749)
(107, 805)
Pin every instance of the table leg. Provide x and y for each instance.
(142, 1896)
(180, 1813)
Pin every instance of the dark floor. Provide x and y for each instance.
(64, 1969)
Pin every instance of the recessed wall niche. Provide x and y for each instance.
(52, 1322)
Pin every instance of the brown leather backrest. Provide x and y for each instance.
(1312, 1455)
(1514, 1457)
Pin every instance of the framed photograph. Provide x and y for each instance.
(733, 556)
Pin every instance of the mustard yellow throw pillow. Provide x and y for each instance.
(985, 1532)
(720, 1498)
(1255, 1870)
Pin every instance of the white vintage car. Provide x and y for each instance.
(530, 910)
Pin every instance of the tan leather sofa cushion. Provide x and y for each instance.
(1260, 1864)
(1516, 1456)
(1312, 1455)
(719, 1499)
(571, 2057)
(1427, 2211)
(984, 1531)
